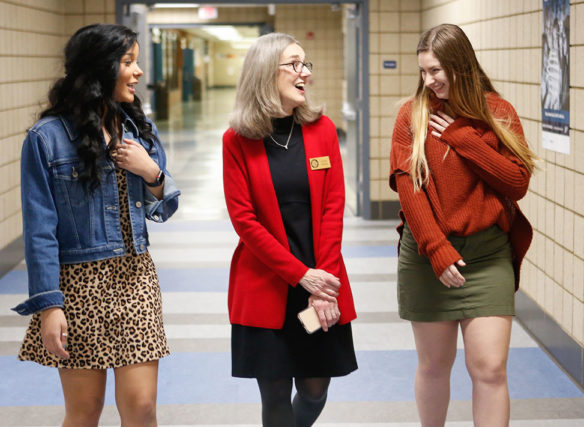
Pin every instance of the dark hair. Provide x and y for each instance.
(85, 93)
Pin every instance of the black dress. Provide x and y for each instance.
(290, 351)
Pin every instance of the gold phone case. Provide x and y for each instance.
(309, 320)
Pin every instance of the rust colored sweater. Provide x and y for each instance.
(473, 186)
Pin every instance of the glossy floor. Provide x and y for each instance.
(192, 253)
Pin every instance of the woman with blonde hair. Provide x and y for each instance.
(284, 188)
(460, 163)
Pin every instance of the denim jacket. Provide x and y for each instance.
(64, 224)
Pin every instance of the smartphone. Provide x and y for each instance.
(309, 319)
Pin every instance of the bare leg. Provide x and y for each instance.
(436, 346)
(84, 391)
(486, 343)
(136, 391)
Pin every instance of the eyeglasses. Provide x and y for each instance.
(297, 66)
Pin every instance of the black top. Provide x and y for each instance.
(290, 178)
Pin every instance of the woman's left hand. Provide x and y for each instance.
(327, 311)
(439, 122)
(133, 157)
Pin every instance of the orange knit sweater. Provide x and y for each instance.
(472, 186)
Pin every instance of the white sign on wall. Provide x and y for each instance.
(555, 76)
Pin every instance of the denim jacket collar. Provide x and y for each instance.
(129, 124)
(70, 128)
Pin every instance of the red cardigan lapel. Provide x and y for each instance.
(313, 148)
(264, 194)
(263, 189)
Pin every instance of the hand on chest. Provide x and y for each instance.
(445, 163)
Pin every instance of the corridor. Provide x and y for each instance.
(192, 253)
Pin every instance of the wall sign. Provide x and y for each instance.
(555, 76)
(208, 12)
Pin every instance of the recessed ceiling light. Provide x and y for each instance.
(175, 5)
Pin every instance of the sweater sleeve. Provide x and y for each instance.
(431, 241)
(401, 146)
(499, 168)
(417, 209)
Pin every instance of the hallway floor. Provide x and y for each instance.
(192, 253)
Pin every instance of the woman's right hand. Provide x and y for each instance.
(54, 331)
(451, 277)
(439, 122)
(321, 284)
(328, 312)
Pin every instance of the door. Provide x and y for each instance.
(188, 74)
(352, 157)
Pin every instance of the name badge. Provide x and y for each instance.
(318, 163)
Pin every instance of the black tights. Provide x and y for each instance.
(279, 411)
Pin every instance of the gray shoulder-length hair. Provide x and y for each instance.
(258, 99)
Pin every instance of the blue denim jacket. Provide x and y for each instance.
(63, 224)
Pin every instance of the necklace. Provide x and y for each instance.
(284, 146)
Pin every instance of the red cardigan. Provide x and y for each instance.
(263, 268)
(474, 186)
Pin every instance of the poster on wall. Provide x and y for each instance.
(555, 76)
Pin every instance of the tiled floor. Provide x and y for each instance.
(192, 254)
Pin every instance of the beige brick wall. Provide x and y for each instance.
(395, 27)
(32, 36)
(79, 13)
(325, 50)
(507, 38)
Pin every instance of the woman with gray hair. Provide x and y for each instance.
(284, 188)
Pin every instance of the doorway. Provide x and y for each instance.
(353, 111)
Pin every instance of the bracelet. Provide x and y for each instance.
(158, 181)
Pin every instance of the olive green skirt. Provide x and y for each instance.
(489, 289)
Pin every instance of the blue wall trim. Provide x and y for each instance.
(11, 255)
(567, 353)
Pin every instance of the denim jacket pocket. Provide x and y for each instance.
(81, 220)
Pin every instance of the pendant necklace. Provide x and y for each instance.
(284, 146)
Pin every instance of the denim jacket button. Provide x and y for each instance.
(156, 217)
(142, 247)
(138, 204)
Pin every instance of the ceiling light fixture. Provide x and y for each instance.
(175, 5)
(223, 32)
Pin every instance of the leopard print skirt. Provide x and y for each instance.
(113, 309)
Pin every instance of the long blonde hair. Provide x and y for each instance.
(258, 99)
(466, 97)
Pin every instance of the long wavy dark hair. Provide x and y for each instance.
(85, 94)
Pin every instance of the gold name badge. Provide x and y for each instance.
(317, 163)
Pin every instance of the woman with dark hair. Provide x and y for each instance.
(284, 187)
(460, 163)
(93, 169)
